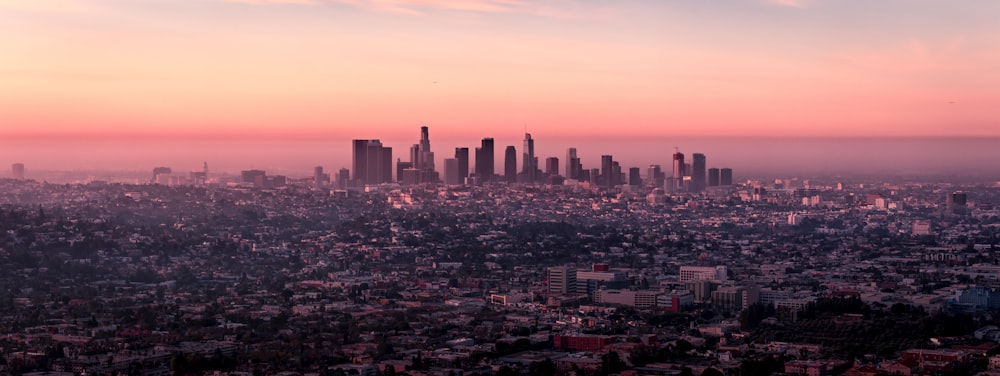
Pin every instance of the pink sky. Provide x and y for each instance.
(341, 69)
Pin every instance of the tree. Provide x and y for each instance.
(611, 363)
(543, 368)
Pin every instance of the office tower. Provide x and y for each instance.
(607, 171)
(595, 177)
(343, 178)
(385, 165)
(18, 171)
(552, 166)
(256, 177)
(451, 171)
(421, 159)
(698, 172)
(320, 179)
(484, 161)
(713, 177)
(655, 176)
(634, 178)
(726, 176)
(462, 155)
(360, 160)
(157, 171)
(571, 161)
(562, 280)
(678, 166)
(372, 162)
(401, 167)
(530, 162)
(510, 164)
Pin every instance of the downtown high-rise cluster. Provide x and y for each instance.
(372, 165)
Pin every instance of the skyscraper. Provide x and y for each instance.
(530, 162)
(18, 171)
(654, 175)
(421, 159)
(678, 176)
(360, 160)
(698, 172)
(571, 161)
(726, 176)
(372, 162)
(552, 166)
(607, 171)
(462, 155)
(634, 178)
(510, 164)
(713, 177)
(451, 171)
(484, 161)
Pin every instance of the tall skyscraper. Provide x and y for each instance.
(462, 155)
(451, 171)
(484, 161)
(552, 166)
(713, 177)
(530, 162)
(607, 171)
(320, 179)
(421, 159)
(698, 172)
(726, 176)
(510, 164)
(678, 176)
(360, 160)
(571, 161)
(343, 178)
(634, 178)
(18, 171)
(372, 162)
(654, 175)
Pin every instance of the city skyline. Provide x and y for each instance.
(306, 69)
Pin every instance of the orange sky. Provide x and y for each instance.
(342, 69)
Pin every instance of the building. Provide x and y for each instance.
(510, 164)
(675, 301)
(632, 298)
(422, 159)
(726, 176)
(679, 171)
(343, 178)
(157, 171)
(485, 161)
(634, 177)
(728, 298)
(608, 178)
(713, 177)
(655, 176)
(589, 281)
(956, 202)
(529, 163)
(452, 173)
(320, 179)
(703, 273)
(552, 166)
(582, 342)
(18, 171)
(698, 176)
(372, 162)
(572, 164)
(562, 280)
(462, 155)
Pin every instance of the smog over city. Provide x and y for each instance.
(499, 187)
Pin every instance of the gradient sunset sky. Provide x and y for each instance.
(364, 69)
